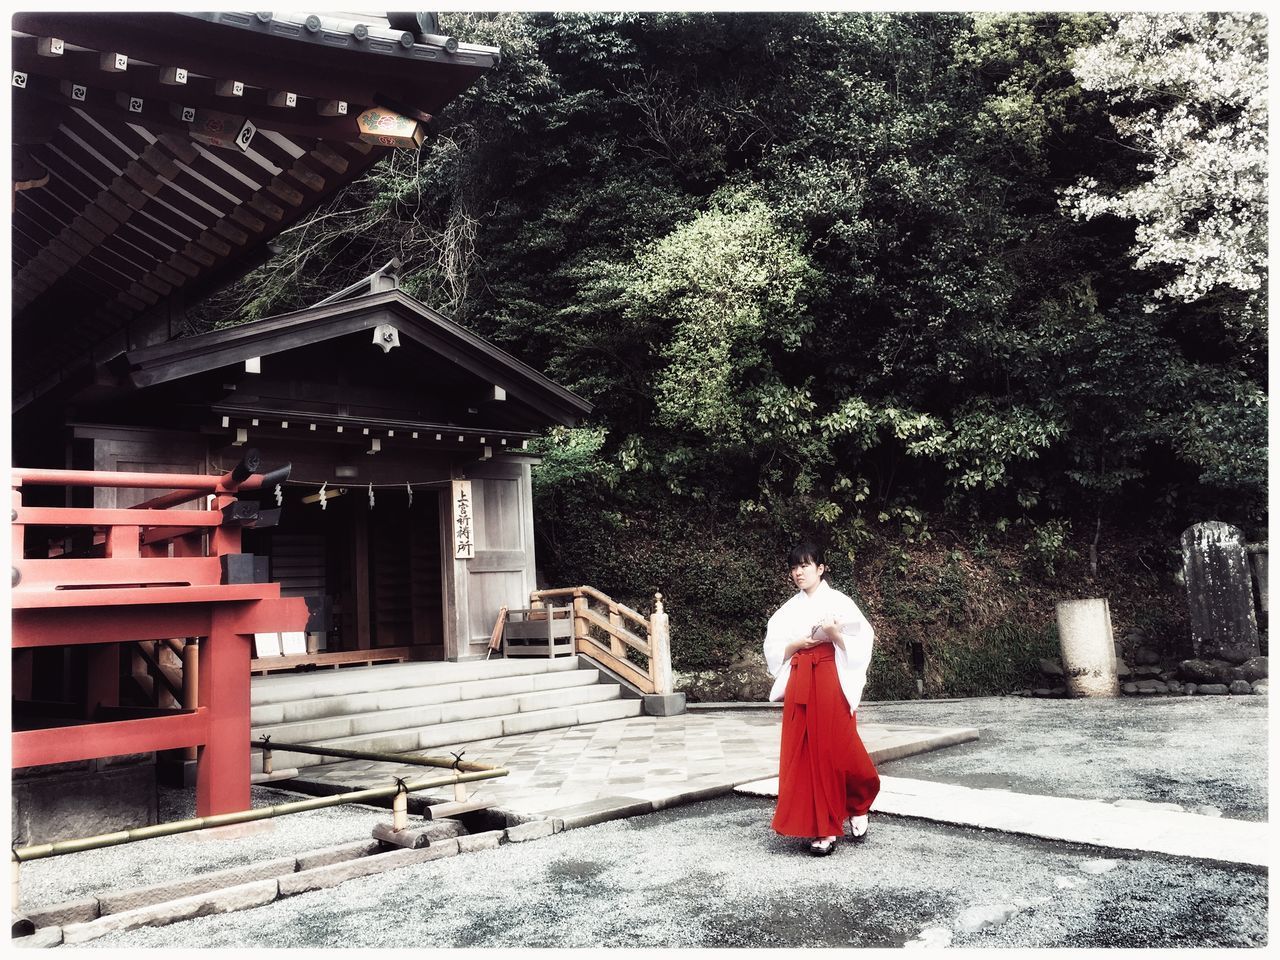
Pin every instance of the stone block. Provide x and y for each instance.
(472, 709)
(1239, 687)
(664, 705)
(43, 938)
(319, 878)
(82, 803)
(1190, 689)
(532, 830)
(617, 709)
(1212, 689)
(1129, 688)
(539, 720)
(70, 911)
(1209, 671)
(465, 731)
(489, 840)
(1259, 687)
(338, 854)
(119, 902)
(1255, 668)
(202, 905)
(599, 811)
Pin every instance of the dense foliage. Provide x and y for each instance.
(874, 276)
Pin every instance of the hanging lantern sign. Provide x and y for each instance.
(464, 546)
(389, 129)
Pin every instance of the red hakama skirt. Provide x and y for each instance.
(824, 772)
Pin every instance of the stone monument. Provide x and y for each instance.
(1219, 592)
(1088, 648)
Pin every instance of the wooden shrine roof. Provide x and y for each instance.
(139, 215)
(416, 323)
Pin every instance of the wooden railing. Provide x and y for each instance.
(140, 577)
(610, 630)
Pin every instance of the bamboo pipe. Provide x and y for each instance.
(409, 759)
(42, 850)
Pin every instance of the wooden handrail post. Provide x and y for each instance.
(191, 688)
(660, 649)
(581, 629)
(616, 646)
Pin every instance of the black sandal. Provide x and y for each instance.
(823, 848)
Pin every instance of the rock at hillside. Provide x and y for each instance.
(1130, 688)
(1050, 668)
(1122, 669)
(1240, 687)
(1213, 689)
(1255, 668)
(1260, 687)
(1209, 671)
(1146, 657)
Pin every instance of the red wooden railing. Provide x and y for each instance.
(155, 573)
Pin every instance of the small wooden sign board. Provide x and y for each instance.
(266, 645)
(293, 643)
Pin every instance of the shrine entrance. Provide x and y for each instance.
(377, 571)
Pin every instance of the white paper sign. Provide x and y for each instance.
(266, 644)
(293, 643)
(464, 545)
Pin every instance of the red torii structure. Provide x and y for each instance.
(154, 573)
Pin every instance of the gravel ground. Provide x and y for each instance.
(1187, 750)
(77, 875)
(713, 874)
(692, 875)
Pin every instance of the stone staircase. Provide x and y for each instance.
(424, 707)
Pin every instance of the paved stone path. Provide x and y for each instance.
(1134, 827)
(628, 766)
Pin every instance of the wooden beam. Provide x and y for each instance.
(92, 741)
(224, 229)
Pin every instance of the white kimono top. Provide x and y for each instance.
(798, 616)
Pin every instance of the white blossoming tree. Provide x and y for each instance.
(1189, 91)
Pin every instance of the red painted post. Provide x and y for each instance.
(222, 769)
(102, 686)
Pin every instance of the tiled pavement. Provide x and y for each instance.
(622, 767)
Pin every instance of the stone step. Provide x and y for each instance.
(435, 738)
(279, 688)
(334, 726)
(318, 707)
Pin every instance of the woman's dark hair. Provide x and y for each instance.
(807, 551)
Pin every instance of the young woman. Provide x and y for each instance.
(818, 646)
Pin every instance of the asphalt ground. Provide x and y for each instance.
(1193, 751)
(712, 874)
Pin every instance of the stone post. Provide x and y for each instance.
(1219, 592)
(1088, 648)
(664, 702)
